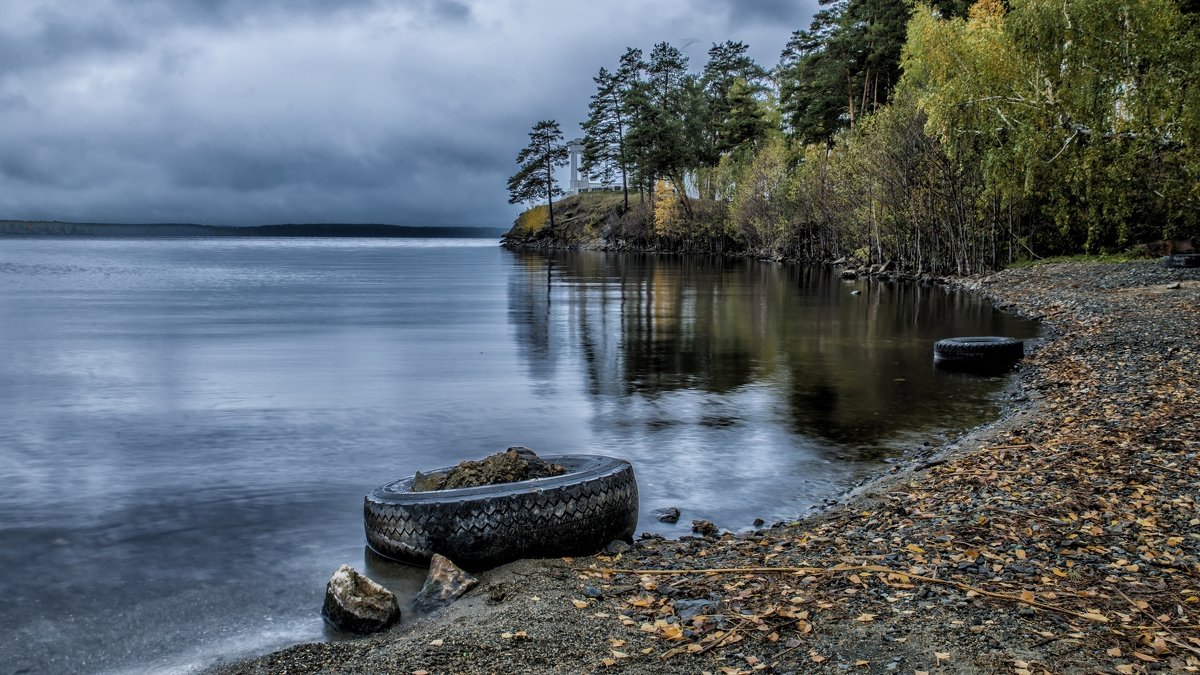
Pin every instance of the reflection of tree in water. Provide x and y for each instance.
(854, 370)
(529, 288)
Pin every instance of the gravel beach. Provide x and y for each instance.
(1062, 538)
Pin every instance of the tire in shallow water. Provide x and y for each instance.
(576, 513)
(980, 354)
(1182, 260)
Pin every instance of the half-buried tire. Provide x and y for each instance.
(1182, 261)
(576, 513)
(978, 354)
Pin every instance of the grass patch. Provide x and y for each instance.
(1082, 258)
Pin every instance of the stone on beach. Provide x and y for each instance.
(357, 604)
(445, 584)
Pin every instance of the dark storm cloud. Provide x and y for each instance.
(251, 111)
(779, 12)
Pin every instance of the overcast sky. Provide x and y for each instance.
(268, 111)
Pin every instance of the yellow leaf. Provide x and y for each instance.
(1027, 596)
(1021, 553)
(579, 604)
(671, 632)
(914, 548)
(506, 636)
(648, 650)
(864, 618)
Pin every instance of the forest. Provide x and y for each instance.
(942, 137)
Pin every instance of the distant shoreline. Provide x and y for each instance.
(57, 228)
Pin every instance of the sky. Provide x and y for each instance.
(244, 112)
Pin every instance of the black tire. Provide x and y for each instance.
(577, 513)
(982, 354)
(1182, 260)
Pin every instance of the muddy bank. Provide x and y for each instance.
(1064, 537)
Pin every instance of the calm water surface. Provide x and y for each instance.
(189, 425)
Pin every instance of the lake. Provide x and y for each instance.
(189, 425)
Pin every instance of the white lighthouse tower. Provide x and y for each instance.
(581, 182)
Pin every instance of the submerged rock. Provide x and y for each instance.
(704, 527)
(668, 515)
(357, 604)
(445, 584)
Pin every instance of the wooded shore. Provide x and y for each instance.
(1062, 538)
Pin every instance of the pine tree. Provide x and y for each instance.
(534, 180)
(604, 130)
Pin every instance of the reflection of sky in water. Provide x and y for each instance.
(190, 425)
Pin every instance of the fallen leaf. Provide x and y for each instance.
(614, 642)
(608, 662)
(941, 656)
(436, 643)
(1145, 657)
(579, 604)
(864, 618)
(619, 655)
(860, 663)
(1114, 652)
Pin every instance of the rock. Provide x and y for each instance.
(445, 584)
(593, 591)
(357, 604)
(668, 515)
(855, 292)
(759, 522)
(703, 527)
(687, 610)
(616, 547)
(849, 274)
